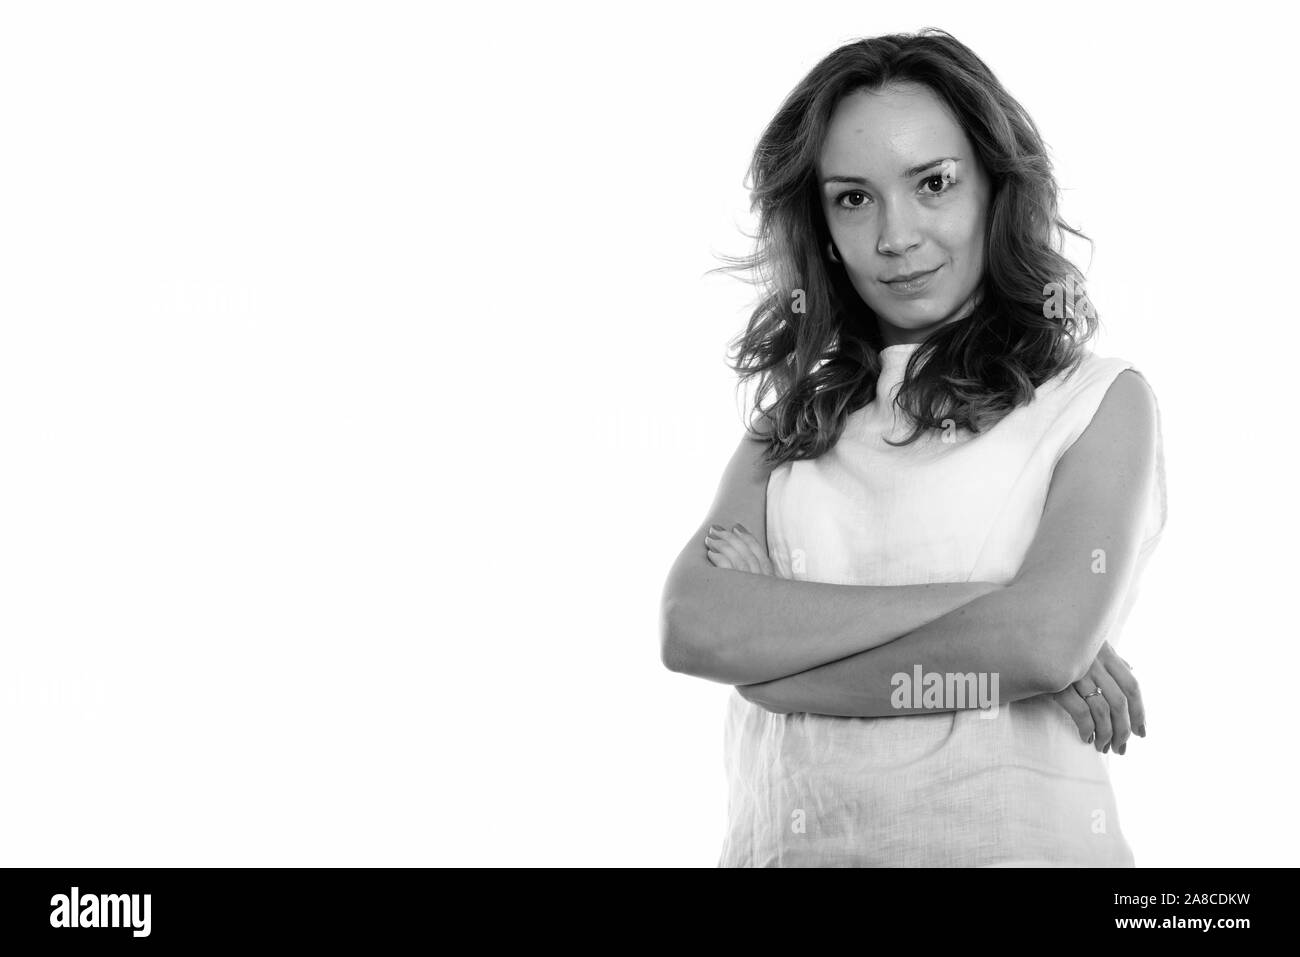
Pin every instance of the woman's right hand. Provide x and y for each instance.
(1106, 719)
(738, 550)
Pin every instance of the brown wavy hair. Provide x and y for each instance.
(822, 363)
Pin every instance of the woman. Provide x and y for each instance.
(917, 564)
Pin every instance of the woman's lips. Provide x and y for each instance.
(913, 286)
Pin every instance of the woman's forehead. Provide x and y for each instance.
(877, 135)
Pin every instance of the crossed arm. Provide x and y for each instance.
(833, 649)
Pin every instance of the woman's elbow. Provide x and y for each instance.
(1039, 648)
(674, 650)
(681, 648)
(690, 641)
(1033, 670)
(1061, 659)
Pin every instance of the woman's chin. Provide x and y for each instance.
(918, 320)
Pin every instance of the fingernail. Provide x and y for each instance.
(1106, 748)
(1121, 748)
(1142, 730)
(716, 528)
(738, 528)
(1090, 737)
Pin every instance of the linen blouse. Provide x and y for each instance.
(957, 788)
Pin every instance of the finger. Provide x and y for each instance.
(1137, 712)
(717, 558)
(759, 551)
(1069, 700)
(746, 545)
(721, 542)
(1100, 709)
(731, 546)
(1120, 725)
(747, 550)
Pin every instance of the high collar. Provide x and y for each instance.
(893, 364)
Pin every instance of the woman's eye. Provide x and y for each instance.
(935, 185)
(943, 184)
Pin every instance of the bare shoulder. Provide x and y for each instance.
(1128, 410)
(1118, 445)
(1132, 386)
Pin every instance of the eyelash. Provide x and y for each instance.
(950, 183)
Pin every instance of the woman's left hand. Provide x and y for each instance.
(738, 550)
(1105, 720)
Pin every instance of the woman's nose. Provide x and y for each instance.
(898, 232)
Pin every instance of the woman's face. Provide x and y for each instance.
(904, 193)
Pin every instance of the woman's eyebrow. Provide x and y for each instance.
(907, 174)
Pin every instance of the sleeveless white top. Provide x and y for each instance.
(950, 788)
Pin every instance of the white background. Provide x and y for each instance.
(360, 381)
